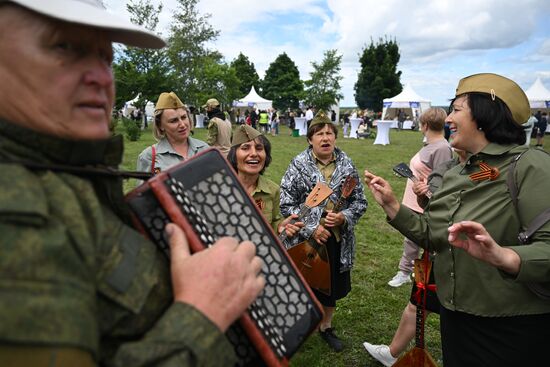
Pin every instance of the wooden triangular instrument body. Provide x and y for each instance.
(311, 258)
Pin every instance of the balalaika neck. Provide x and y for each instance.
(420, 319)
(304, 211)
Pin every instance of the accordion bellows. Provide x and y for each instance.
(204, 196)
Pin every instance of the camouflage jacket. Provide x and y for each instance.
(300, 177)
(74, 274)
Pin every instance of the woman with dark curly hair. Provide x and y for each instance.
(250, 155)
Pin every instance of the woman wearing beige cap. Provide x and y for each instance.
(172, 130)
(489, 283)
(78, 285)
(250, 155)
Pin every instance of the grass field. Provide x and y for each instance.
(372, 310)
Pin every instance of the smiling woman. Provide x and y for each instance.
(250, 155)
(484, 274)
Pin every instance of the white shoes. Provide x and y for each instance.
(399, 279)
(381, 353)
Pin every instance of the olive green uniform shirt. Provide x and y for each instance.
(464, 283)
(73, 274)
(267, 195)
(219, 134)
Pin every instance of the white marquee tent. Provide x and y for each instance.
(252, 99)
(408, 101)
(538, 95)
(129, 108)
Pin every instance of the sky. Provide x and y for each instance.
(440, 41)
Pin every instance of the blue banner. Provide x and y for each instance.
(414, 104)
(387, 104)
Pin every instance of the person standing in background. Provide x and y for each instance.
(219, 127)
(435, 151)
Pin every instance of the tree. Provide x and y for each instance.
(246, 74)
(378, 78)
(190, 32)
(323, 89)
(141, 71)
(217, 80)
(282, 83)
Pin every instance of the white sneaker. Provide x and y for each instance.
(399, 279)
(381, 353)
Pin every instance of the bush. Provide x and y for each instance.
(131, 129)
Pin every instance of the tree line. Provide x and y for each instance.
(196, 72)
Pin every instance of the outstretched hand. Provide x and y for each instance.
(479, 244)
(221, 281)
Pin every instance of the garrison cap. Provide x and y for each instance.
(320, 118)
(166, 101)
(496, 85)
(243, 134)
(211, 103)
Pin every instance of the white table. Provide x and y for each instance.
(199, 121)
(383, 132)
(354, 125)
(301, 125)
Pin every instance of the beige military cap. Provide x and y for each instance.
(243, 134)
(166, 101)
(505, 89)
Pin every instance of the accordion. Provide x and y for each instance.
(204, 196)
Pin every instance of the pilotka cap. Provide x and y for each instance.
(166, 101)
(243, 134)
(320, 118)
(211, 103)
(496, 85)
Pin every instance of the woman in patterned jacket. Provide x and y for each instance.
(323, 162)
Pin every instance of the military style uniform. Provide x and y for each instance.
(75, 277)
(485, 308)
(267, 195)
(219, 134)
(166, 155)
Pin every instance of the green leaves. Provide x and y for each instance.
(323, 89)
(378, 78)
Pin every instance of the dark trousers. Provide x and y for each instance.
(476, 341)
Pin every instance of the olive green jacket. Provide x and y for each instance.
(73, 274)
(470, 285)
(267, 195)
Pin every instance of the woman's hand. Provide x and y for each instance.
(481, 245)
(383, 194)
(420, 187)
(321, 234)
(334, 219)
(289, 226)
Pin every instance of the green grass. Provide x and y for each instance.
(372, 310)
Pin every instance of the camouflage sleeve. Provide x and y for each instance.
(182, 337)
(212, 133)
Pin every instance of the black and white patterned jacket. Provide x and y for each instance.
(300, 177)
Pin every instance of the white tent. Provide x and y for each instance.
(538, 95)
(253, 100)
(408, 101)
(129, 108)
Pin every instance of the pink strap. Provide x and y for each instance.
(154, 153)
